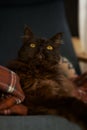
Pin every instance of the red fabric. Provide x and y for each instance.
(9, 83)
(81, 87)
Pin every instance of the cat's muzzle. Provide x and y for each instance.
(39, 57)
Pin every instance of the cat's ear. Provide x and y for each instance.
(28, 34)
(57, 39)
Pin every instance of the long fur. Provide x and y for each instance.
(46, 89)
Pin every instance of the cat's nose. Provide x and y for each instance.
(39, 56)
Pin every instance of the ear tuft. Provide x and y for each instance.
(27, 31)
(58, 38)
(28, 34)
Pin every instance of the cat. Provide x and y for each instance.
(46, 88)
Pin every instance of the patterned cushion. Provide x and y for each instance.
(9, 83)
(67, 68)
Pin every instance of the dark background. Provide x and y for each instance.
(71, 8)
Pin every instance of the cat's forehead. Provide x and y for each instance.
(41, 41)
(36, 41)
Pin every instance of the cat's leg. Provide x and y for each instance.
(40, 110)
(56, 100)
(69, 108)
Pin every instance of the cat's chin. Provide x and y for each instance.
(45, 63)
(39, 63)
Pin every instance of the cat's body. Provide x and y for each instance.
(46, 89)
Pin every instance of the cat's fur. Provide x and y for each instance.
(47, 90)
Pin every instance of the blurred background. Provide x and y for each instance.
(45, 18)
(76, 13)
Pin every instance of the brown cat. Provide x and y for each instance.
(47, 90)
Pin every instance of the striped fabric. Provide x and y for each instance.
(67, 68)
(9, 83)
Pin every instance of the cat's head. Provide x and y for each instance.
(38, 49)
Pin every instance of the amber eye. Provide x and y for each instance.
(49, 47)
(33, 45)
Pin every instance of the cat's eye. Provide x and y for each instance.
(49, 47)
(33, 45)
